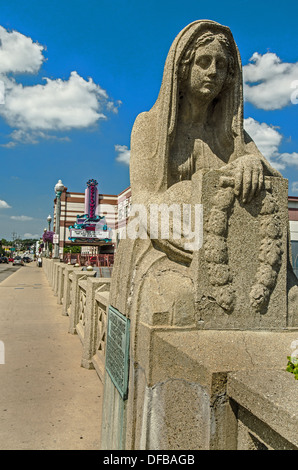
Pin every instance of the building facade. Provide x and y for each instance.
(115, 209)
(293, 218)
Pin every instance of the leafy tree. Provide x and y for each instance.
(72, 249)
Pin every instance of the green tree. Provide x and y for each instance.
(72, 249)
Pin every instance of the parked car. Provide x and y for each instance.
(3, 259)
(26, 259)
(10, 259)
(18, 261)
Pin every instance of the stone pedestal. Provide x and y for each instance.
(180, 398)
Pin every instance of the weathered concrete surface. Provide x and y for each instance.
(181, 381)
(269, 397)
(47, 400)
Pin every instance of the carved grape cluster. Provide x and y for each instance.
(270, 255)
(216, 250)
(217, 256)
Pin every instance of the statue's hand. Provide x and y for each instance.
(248, 173)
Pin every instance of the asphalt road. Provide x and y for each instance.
(6, 270)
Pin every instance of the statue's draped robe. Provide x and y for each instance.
(156, 173)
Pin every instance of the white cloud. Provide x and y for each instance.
(23, 136)
(9, 145)
(22, 218)
(266, 137)
(123, 154)
(294, 187)
(111, 106)
(30, 235)
(56, 105)
(4, 205)
(18, 53)
(289, 159)
(268, 140)
(268, 82)
(20, 136)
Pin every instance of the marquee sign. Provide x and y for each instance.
(90, 227)
(91, 198)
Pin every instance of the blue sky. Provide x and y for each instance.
(77, 73)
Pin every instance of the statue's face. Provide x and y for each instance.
(208, 71)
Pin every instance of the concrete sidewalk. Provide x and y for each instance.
(47, 400)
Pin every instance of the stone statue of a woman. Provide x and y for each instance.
(193, 131)
(191, 149)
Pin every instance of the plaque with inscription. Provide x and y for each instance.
(117, 350)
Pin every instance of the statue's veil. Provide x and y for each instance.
(227, 114)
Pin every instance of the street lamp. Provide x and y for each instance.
(49, 219)
(59, 188)
(44, 242)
